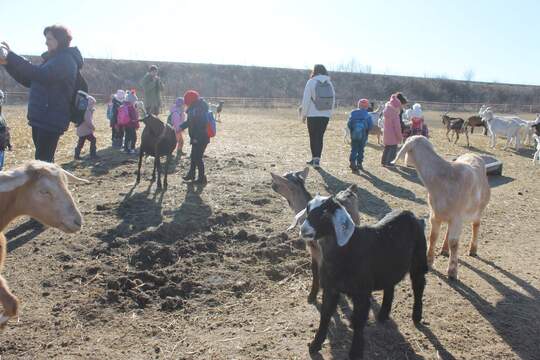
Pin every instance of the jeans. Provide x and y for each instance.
(2, 155)
(316, 127)
(130, 139)
(357, 150)
(389, 154)
(45, 143)
(197, 153)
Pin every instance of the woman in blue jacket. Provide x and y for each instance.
(51, 84)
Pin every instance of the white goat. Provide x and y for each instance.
(458, 192)
(526, 131)
(37, 189)
(536, 156)
(508, 127)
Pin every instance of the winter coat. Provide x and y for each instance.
(133, 116)
(51, 84)
(87, 127)
(197, 122)
(392, 126)
(152, 91)
(360, 115)
(115, 105)
(178, 117)
(308, 106)
(5, 141)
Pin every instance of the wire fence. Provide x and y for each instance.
(243, 102)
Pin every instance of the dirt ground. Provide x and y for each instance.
(210, 273)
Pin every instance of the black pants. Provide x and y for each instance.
(316, 128)
(130, 139)
(389, 154)
(82, 139)
(197, 153)
(117, 136)
(45, 143)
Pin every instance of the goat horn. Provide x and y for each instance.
(73, 177)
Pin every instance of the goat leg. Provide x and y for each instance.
(388, 298)
(9, 303)
(328, 308)
(447, 132)
(467, 136)
(454, 230)
(139, 167)
(473, 247)
(444, 249)
(359, 319)
(158, 167)
(154, 171)
(435, 228)
(312, 298)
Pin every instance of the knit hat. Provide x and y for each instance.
(416, 110)
(179, 102)
(394, 102)
(190, 97)
(120, 95)
(131, 97)
(363, 103)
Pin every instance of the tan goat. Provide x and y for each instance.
(458, 192)
(39, 190)
(292, 187)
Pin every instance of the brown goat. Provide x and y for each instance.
(39, 190)
(457, 125)
(476, 121)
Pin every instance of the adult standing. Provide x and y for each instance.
(392, 135)
(152, 87)
(317, 105)
(51, 84)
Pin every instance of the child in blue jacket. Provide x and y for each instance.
(359, 124)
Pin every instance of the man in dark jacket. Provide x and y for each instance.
(52, 85)
(197, 124)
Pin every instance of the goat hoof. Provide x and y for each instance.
(444, 253)
(452, 275)
(314, 348)
(473, 253)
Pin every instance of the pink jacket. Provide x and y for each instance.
(392, 127)
(178, 116)
(87, 126)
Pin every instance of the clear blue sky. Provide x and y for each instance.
(496, 39)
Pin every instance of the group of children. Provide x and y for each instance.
(360, 123)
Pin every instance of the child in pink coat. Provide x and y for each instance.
(392, 135)
(176, 119)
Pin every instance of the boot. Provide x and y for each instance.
(189, 176)
(77, 155)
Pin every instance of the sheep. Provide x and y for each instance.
(157, 139)
(536, 156)
(457, 125)
(37, 189)
(458, 191)
(357, 260)
(292, 187)
(508, 127)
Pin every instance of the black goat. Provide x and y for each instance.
(357, 260)
(157, 139)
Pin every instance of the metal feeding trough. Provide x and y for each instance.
(493, 165)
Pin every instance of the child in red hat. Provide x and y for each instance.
(197, 125)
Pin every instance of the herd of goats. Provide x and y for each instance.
(346, 257)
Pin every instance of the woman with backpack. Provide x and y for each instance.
(317, 105)
(52, 86)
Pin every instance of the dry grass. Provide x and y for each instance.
(493, 312)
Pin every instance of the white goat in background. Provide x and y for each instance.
(508, 127)
(536, 156)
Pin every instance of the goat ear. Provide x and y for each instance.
(343, 226)
(303, 174)
(10, 180)
(280, 180)
(300, 216)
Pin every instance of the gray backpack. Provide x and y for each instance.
(324, 96)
